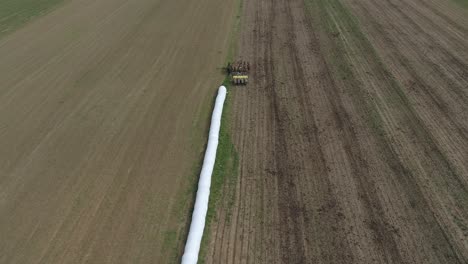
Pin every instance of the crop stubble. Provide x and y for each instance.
(98, 100)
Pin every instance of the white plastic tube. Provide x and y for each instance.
(192, 247)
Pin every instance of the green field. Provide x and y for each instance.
(15, 13)
(463, 3)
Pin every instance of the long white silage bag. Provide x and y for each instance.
(192, 247)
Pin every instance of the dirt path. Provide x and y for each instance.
(352, 139)
(98, 101)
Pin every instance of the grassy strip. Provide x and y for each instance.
(227, 158)
(225, 169)
(174, 237)
(225, 172)
(15, 13)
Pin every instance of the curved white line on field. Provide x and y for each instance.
(192, 247)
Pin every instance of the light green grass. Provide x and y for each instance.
(15, 13)
(227, 158)
(224, 172)
(225, 166)
(463, 3)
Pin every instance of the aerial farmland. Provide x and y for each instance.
(347, 141)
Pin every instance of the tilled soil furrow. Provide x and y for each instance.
(454, 200)
(352, 166)
(441, 31)
(448, 115)
(451, 61)
(447, 120)
(446, 11)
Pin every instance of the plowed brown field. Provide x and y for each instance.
(100, 104)
(352, 135)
